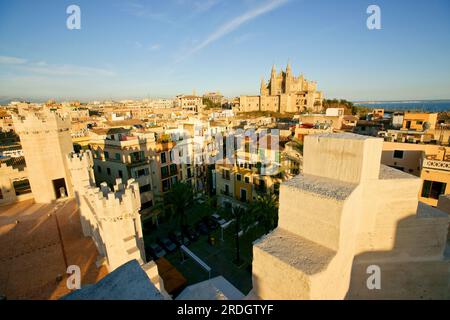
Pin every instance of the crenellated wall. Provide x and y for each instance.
(343, 215)
(110, 217)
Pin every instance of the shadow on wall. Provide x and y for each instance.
(415, 268)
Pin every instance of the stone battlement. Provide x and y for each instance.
(45, 139)
(344, 214)
(123, 202)
(31, 121)
(110, 217)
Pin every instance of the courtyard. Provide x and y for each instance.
(219, 255)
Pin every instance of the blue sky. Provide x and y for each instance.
(135, 49)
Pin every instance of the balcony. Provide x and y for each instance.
(436, 164)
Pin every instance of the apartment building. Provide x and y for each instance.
(256, 170)
(419, 121)
(243, 184)
(429, 162)
(120, 153)
(164, 169)
(435, 175)
(189, 102)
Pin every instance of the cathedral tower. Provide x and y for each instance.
(263, 89)
(288, 79)
(273, 81)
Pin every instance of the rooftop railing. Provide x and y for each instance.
(436, 164)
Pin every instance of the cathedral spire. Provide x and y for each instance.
(274, 71)
(288, 68)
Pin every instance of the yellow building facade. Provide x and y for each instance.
(429, 162)
(419, 121)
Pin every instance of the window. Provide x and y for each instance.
(137, 156)
(147, 204)
(260, 185)
(398, 154)
(117, 156)
(141, 172)
(239, 177)
(247, 179)
(106, 155)
(99, 169)
(1, 194)
(165, 172)
(433, 189)
(108, 170)
(120, 174)
(173, 169)
(243, 195)
(145, 188)
(227, 189)
(22, 187)
(163, 157)
(226, 174)
(165, 185)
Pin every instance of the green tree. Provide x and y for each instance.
(238, 213)
(297, 145)
(265, 210)
(210, 105)
(174, 203)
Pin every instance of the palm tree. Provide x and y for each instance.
(297, 145)
(265, 210)
(238, 212)
(175, 202)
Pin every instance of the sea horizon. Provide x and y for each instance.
(437, 105)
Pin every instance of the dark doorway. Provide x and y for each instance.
(243, 195)
(59, 186)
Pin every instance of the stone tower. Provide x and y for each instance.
(110, 217)
(263, 89)
(273, 81)
(288, 79)
(45, 138)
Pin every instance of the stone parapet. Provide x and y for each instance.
(344, 214)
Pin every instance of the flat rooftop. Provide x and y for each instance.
(34, 255)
